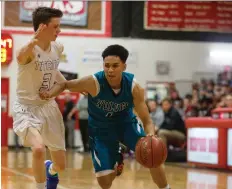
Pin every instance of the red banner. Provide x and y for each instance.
(213, 16)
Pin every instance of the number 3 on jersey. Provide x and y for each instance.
(46, 84)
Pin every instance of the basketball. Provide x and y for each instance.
(150, 151)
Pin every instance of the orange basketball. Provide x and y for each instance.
(150, 151)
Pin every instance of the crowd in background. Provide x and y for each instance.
(169, 115)
(205, 96)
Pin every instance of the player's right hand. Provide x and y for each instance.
(38, 33)
(44, 95)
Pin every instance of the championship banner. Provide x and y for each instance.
(80, 18)
(75, 13)
(201, 16)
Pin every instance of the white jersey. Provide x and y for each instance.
(38, 75)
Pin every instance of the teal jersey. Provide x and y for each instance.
(108, 107)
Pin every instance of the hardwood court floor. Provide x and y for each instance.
(16, 173)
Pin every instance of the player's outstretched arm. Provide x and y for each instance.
(142, 110)
(85, 84)
(82, 85)
(25, 54)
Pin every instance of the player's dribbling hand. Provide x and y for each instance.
(44, 95)
(150, 134)
(150, 131)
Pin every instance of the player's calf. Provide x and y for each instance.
(38, 153)
(106, 181)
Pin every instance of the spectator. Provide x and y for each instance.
(228, 101)
(172, 130)
(195, 94)
(206, 106)
(156, 113)
(69, 123)
(177, 102)
(189, 109)
(82, 107)
(221, 102)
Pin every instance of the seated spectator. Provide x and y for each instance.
(189, 109)
(177, 102)
(206, 106)
(82, 107)
(172, 130)
(156, 113)
(221, 102)
(228, 101)
(195, 94)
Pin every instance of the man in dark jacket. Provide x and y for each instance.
(172, 130)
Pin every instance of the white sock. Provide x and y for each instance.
(167, 187)
(51, 170)
(41, 185)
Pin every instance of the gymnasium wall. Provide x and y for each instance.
(83, 56)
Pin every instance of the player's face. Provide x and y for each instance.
(113, 68)
(53, 29)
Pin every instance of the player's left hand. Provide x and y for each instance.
(151, 134)
(149, 130)
(44, 95)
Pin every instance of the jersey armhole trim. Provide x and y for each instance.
(58, 47)
(96, 84)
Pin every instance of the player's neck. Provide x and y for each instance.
(115, 84)
(44, 44)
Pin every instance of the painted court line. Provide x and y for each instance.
(28, 176)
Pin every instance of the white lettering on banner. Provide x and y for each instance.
(69, 7)
(75, 12)
(203, 145)
(186, 16)
(229, 146)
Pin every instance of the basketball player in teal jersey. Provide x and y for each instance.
(112, 96)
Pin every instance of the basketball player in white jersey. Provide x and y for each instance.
(39, 122)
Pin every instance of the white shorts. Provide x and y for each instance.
(46, 118)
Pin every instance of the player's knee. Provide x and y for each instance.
(105, 185)
(38, 151)
(61, 166)
(105, 182)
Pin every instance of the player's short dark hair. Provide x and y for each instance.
(116, 50)
(43, 15)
